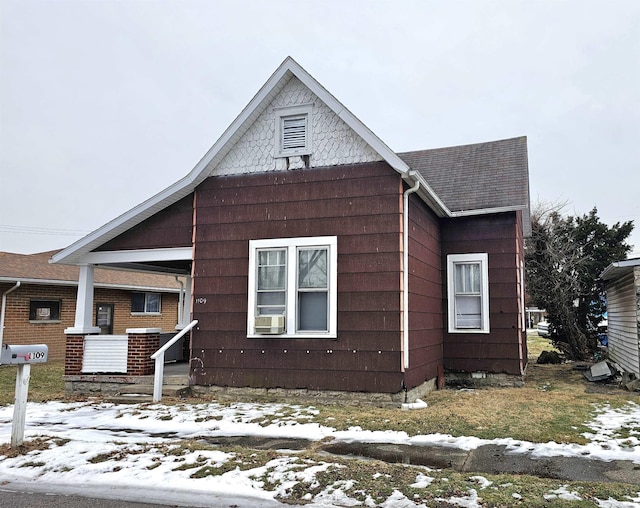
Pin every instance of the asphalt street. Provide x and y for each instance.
(9, 499)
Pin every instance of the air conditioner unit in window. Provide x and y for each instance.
(269, 324)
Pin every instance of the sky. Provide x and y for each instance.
(105, 103)
(130, 452)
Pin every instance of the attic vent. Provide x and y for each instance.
(294, 133)
(293, 130)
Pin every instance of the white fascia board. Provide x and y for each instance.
(427, 194)
(137, 256)
(146, 209)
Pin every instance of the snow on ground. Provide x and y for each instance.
(134, 448)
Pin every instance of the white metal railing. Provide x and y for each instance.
(158, 356)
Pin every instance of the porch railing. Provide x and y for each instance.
(158, 356)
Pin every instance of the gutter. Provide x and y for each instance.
(4, 304)
(405, 270)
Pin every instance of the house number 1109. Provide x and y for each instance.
(201, 300)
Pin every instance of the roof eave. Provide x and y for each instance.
(619, 268)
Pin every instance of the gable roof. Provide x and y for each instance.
(225, 143)
(412, 166)
(476, 178)
(36, 269)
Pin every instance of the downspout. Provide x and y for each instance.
(405, 273)
(180, 302)
(4, 305)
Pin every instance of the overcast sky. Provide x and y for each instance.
(105, 103)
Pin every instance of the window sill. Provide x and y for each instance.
(44, 321)
(469, 330)
(146, 313)
(289, 336)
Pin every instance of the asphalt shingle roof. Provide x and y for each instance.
(480, 176)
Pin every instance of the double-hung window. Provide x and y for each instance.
(293, 287)
(468, 293)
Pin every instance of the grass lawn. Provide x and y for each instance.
(46, 382)
(555, 399)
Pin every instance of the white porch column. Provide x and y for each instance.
(84, 304)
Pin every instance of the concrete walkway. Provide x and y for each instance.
(487, 459)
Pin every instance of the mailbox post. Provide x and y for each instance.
(23, 357)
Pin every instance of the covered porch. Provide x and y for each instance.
(98, 363)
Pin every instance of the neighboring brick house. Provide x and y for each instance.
(44, 304)
(321, 261)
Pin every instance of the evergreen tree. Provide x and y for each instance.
(564, 259)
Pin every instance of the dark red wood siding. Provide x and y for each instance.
(361, 205)
(171, 227)
(425, 295)
(500, 351)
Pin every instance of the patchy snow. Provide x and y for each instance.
(111, 449)
(564, 494)
(470, 501)
(422, 481)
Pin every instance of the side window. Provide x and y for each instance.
(468, 293)
(145, 303)
(293, 287)
(44, 311)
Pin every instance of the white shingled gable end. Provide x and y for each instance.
(332, 141)
(257, 107)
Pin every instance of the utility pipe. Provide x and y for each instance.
(405, 272)
(4, 305)
(180, 302)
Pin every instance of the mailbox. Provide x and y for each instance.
(15, 355)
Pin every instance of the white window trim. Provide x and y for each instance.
(483, 259)
(280, 113)
(292, 244)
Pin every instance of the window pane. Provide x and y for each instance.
(271, 302)
(467, 278)
(312, 268)
(44, 310)
(272, 269)
(468, 311)
(153, 302)
(137, 302)
(312, 311)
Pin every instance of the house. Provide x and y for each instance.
(40, 301)
(321, 261)
(622, 282)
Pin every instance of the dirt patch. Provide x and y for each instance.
(37, 444)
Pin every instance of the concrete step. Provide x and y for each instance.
(134, 398)
(146, 389)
